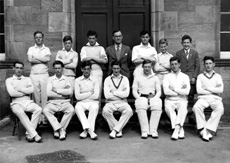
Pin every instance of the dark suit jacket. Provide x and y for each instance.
(190, 66)
(125, 59)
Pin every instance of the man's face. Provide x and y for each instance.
(116, 70)
(209, 65)
(86, 71)
(18, 69)
(68, 45)
(147, 68)
(58, 69)
(38, 39)
(92, 40)
(163, 48)
(145, 39)
(175, 66)
(186, 44)
(117, 37)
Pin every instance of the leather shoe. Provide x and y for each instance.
(112, 135)
(144, 135)
(84, 134)
(29, 138)
(92, 134)
(119, 134)
(37, 139)
(181, 133)
(62, 134)
(56, 134)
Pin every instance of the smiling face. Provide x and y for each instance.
(116, 70)
(145, 39)
(92, 40)
(68, 45)
(175, 66)
(163, 47)
(209, 65)
(18, 69)
(38, 39)
(117, 37)
(186, 44)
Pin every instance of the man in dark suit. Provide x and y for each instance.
(190, 65)
(121, 53)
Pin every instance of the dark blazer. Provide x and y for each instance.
(190, 66)
(125, 59)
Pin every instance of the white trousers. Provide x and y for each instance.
(126, 113)
(65, 107)
(155, 106)
(40, 83)
(217, 112)
(92, 107)
(30, 125)
(179, 106)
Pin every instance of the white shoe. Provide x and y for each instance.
(92, 134)
(56, 134)
(62, 134)
(181, 133)
(144, 135)
(205, 135)
(112, 134)
(154, 135)
(119, 134)
(202, 133)
(84, 134)
(175, 134)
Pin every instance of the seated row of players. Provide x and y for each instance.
(146, 90)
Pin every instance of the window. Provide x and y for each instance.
(225, 29)
(2, 31)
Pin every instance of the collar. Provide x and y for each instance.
(116, 77)
(209, 76)
(167, 53)
(148, 46)
(149, 76)
(62, 78)
(43, 46)
(71, 50)
(83, 78)
(186, 50)
(16, 77)
(177, 72)
(120, 45)
(92, 46)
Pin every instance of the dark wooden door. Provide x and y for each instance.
(104, 16)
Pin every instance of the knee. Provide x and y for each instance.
(106, 111)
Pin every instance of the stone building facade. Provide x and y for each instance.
(56, 18)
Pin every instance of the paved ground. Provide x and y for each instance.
(129, 149)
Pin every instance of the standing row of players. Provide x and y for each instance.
(146, 87)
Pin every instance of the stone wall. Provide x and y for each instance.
(55, 18)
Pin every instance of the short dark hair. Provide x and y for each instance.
(163, 41)
(115, 31)
(209, 58)
(146, 62)
(86, 63)
(185, 37)
(67, 38)
(18, 62)
(144, 32)
(38, 32)
(58, 63)
(174, 59)
(92, 33)
(115, 62)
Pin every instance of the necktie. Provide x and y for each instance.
(187, 54)
(118, 52)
